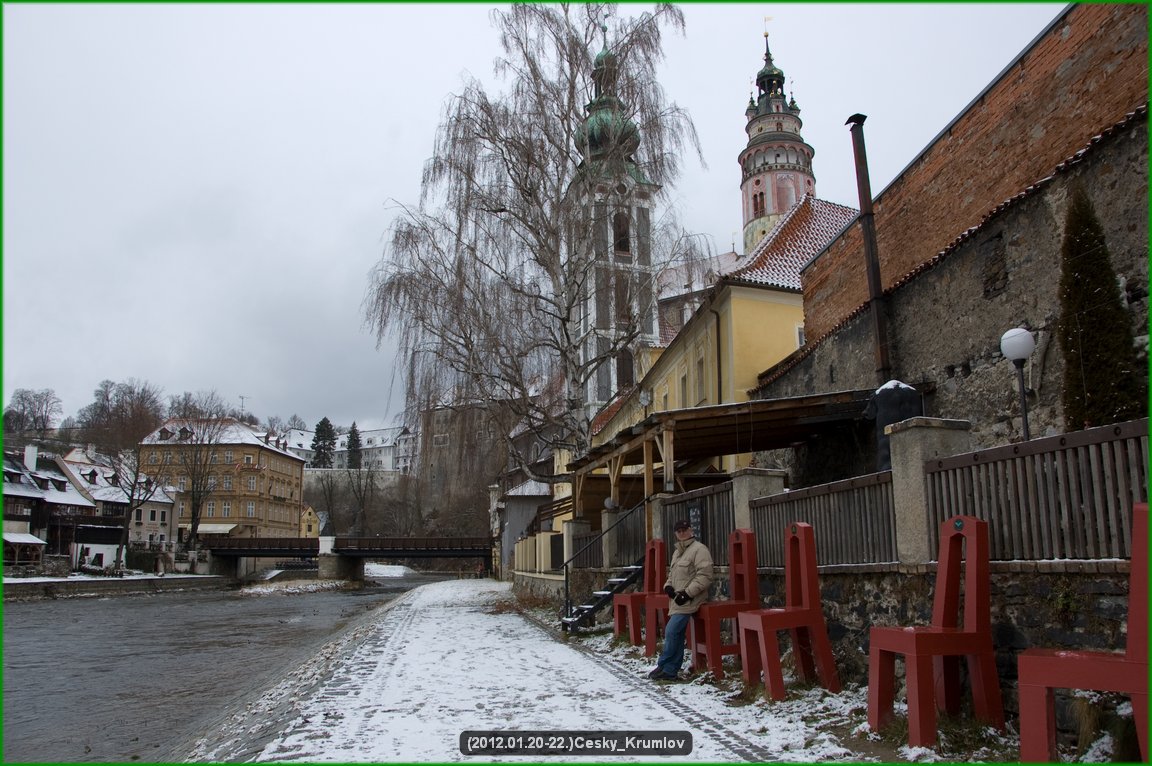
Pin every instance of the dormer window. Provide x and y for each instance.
(91, 476)
(185, 433)
(165, 434)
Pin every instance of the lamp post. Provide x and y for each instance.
(1017, 344)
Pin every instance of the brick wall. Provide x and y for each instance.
(945, 323)
(1083, 76)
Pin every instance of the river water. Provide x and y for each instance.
(125, 678)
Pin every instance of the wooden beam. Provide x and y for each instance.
(649, 488)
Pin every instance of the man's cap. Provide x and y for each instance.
(681, 525)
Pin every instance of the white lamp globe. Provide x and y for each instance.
(1017, 344)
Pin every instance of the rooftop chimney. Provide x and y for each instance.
(31, 452)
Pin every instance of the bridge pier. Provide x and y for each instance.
(333, 566)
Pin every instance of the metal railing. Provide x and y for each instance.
(1060, 497)
(854, 521)
(595, 541)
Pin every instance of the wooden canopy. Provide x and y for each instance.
(706, 432)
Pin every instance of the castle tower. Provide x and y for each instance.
(620, 296)
(776, 164)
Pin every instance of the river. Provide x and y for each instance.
(125, 678)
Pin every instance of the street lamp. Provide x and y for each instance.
(1017, 344)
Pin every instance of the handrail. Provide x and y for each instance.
(589, 544)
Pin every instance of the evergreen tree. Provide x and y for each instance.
(323, 444)
(1103, 382)
(355, 454)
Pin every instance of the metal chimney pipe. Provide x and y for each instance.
(871, 260)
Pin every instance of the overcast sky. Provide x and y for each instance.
(194, 195)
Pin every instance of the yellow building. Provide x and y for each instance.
(749, 319)
(249, 484)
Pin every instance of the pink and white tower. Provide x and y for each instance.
(777, 164)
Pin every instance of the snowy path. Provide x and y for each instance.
(451, 657)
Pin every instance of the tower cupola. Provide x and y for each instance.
(776, 164)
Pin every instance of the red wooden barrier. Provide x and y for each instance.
(933, 652)
(628, 608)
(1042, 670)
(802, 616)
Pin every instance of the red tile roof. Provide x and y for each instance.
(808, 228)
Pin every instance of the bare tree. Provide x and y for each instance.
(192, 438)
(117, 421)
(30, 410)
(363, 484)
(297, 423)
(120, 415)
(489, 283)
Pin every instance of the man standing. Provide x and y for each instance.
(689, 577)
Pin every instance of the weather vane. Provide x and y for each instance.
(766, 20)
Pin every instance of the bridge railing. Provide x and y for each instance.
(411, 543)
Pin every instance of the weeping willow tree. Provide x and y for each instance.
(489, 285)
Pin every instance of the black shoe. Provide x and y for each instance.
(656, 673)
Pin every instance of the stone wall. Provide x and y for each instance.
(1082, 77)
(945, 322)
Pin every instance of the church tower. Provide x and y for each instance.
(620, 306)
(776, 164)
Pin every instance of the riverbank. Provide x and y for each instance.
(460, 658)
(79, 586)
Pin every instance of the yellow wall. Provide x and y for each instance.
(757, 327)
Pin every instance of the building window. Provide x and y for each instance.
(701, 389)
(139, 514)
(621, 234)
(799, 335)
(182, 509)
(167, 458)
(212, 458)
(309, 528)
(210, 509)
(152, 515)
(226, 481)
(684, 390)
(226, 508)
(182, 484)
(163, 517)
(251, 483)
(251, 509)
(440, 440)
(228, 456)
(247, 460)
(154, 458)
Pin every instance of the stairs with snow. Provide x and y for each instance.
(584, 615)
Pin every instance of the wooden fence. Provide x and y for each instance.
(1060, 497)
(853, 520)
(711, 513)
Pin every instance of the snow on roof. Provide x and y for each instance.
(530, 488)
(231, 432)
(23, 538)
(804, 232)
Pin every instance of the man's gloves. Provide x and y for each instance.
(670, 591)
(681, 598)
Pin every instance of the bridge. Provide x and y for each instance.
(343, 557)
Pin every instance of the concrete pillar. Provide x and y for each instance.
(573, 527)
(608, 543)
(914, 442)
(657, 509)
(749, 484)
(333, 566)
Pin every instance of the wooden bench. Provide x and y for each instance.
(628, 608)
(802, 615)
(1041, 671)
(932, 653)
(704, 636)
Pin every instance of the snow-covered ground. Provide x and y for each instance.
(457, 656)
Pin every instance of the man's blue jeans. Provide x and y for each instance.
(672, 656)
